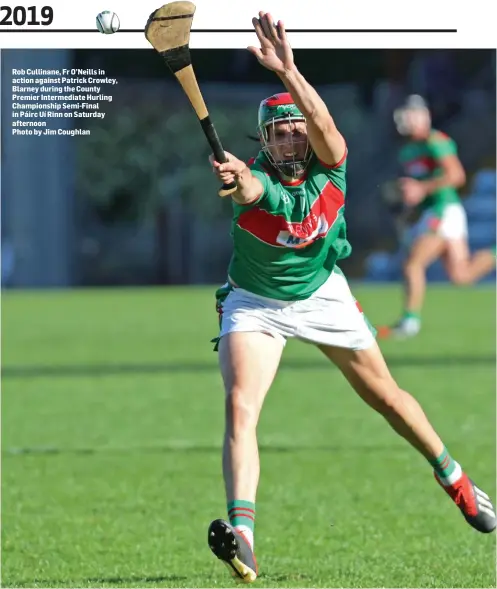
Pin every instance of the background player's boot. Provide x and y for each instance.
(474, 504)
(231, 547)
(405, 328)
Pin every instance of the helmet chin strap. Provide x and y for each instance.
(292, 169)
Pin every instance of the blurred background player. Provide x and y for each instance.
(432, 176)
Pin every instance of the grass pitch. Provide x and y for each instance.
(112, 419)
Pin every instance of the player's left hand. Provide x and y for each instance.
(413, 191)
(275, 53)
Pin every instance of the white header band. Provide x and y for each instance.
(475, 25)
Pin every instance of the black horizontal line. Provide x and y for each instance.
(403, 31)
(331, 30)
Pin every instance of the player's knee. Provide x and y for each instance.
(241, 413)
(412, 267)
(458, 276)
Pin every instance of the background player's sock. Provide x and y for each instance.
(447, 469)
(242, 517)
(410, 324)
(411, 315)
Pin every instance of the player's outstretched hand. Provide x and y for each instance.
(228, 171)
(275, 52)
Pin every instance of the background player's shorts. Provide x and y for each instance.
(331, 316)
(450, 224)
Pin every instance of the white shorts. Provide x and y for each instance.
(331, 316)
(452, 224)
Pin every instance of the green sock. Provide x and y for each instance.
(445, 466)
(412, 315)
(242, 513)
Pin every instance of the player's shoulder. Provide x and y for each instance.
(260, 164)
(404, 150)
(317, 166)
(322, 173)
(437, 136)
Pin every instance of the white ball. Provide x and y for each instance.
(107, 22)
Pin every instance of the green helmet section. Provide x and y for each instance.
(268, 113)
(276, 107)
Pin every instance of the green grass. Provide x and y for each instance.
(111, 432)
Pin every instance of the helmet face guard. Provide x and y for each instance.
(282, 155)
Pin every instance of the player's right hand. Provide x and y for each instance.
(229, 170)
(413, 190)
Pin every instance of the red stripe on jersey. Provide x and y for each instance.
(440, 135)
(297, 182)
(429, 162)
(426, 161)
(321, 217)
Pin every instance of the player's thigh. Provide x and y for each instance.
(249, 361)
(332, 316)
(456, 256)
(442, 235)
(367, 372)
(425, 250)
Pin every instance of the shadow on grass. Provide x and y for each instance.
(207, 449)
(104, 581)
(137, 579)
(96, 370)
(282, 578)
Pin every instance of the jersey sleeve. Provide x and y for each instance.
(336, 174)
(261, 174)
(442, 145)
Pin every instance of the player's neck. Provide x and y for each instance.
(291, 180)
(421, 136)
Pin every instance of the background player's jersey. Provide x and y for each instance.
(421, 160)
(286, 244)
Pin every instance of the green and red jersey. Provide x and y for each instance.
(287, 243)
(421, 160)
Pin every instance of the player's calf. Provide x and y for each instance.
(469, 271)
(406, 416)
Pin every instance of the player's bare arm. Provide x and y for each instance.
(249, 188)
(276, 55)
(453, 175)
